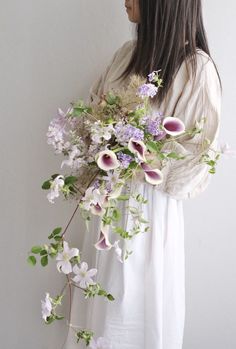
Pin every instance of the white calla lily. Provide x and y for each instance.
(137, 147)
(103, 242)
(107, 160)
(152, 176)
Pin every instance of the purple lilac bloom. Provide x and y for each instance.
(125, 159)
(152, 123)
(153, 75)
(152, 127)
(96, 184)
(147, 90)
(123, 133)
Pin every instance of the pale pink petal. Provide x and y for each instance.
(66, 267)
(74, 252)
(76, 278)
(76, 269)
(92, 272)
(84, 267)
(83, 283)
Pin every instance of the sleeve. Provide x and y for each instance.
(96, 88)
(189, 177)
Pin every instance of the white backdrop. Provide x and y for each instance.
(51, 52)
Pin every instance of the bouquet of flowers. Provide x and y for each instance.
(107, 146)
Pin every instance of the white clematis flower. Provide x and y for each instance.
(83, 275)
(225, 149)
(93, 201)
(64, 258)
(56, 185)
(118, 251)
(46, 306)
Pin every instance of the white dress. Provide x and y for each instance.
(149, 287)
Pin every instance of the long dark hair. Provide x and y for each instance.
(169, 32)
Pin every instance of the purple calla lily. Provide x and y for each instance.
(152, 176)
(137, 147)
(97, 210)
(103, 242)
(173, 126)
(107, 160)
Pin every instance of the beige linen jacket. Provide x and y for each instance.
(187, 101)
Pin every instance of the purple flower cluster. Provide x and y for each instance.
(152, 126)
(147, 90)
(123, 133)
(124, 159)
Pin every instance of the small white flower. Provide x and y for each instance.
(83, 275)
(100, 132)
(94, 200)
(100, 343)
(225, 149)
(75, 160)
(118, 251)
(64, 258)
(56, 185)
(46, 306)
(113, 179)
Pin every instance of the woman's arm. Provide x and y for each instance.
(188, 177)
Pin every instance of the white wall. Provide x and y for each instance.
(210, 219)
(50, 53)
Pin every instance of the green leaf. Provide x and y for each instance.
(55, 175)
(58, 317)
(50, 319)
(46, 185)
(44, 261)
(70, 180)
(123, 197)
(211, 163)
(110, 297)
(31, 260)
(43, 252)
(57, 238)
(153, 146)
(176, 156)
(112, 99)
(55, 232)
(36, 249)
(116, 214)
(133, 165)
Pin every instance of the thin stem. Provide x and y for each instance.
(70, 297)
(70, 221)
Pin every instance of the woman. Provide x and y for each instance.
(149, 288)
